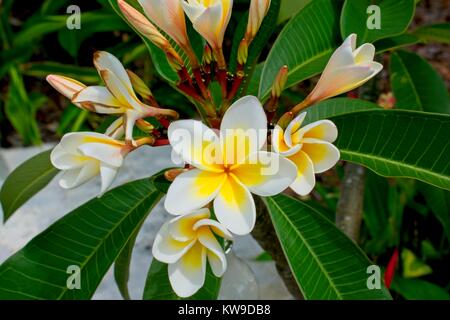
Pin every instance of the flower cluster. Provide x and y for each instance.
(227, 156)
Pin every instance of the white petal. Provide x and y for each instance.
(64, 85)
(115, 130)
(209, 24)
(243, 130)
(279, 145)
(183, 228)
(196, 144)
(216, 227)
(193, 190)
(96, 94)
(269, 174)
(364, 54)
(293, 127)
(63, 160)
(76, 177)
(193, 11)
(187, 275)
(107, 153)
(235, 208)
(215, 253)
(323, 154)
(107, 174)
(306, 180)
(343, 56)
(125, 96)
(322, 130)
(168, 250)
(105, 61)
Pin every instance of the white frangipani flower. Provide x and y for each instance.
(310, 148)
(168, 15)
(210, 18)
(228, 166)
(348, 68)
(117, 97)
(84, 155)
(185, 243)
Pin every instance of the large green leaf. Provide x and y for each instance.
(335, 107)
(25, 181)
(397, 143)
(395, 17)
(394, 43)
(416, 85)
(439, 202)
(157, 286)
(439, 32)
(325, 263)
(305, 44)
(416, 289)
(290, 8)
(90, 237)
(86, 75)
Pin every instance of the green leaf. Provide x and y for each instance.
(25, 181)
(86, 75)
(416, 289)
(395, 17)
(335, 107)
(305, 44)
(325, 263)
(397, 143)
(439, 202)
(20, 110)
(439, 32)
(290, 8)
(157, 286)
(122, 266)
(416, 85)
(90, 237)
(394, 43)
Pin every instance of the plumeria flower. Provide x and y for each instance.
(348, 68)
(228, 166)
(310, 148)
(185, 243)
(210, 18)
(168, 15)
(118, 97)
(257, 13)
(84, 155)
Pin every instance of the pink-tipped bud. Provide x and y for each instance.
(258, 11)
(139, 86)
(280, 82)
(243, 52)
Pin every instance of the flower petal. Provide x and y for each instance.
(126, 97)
(235, 208)
(187, 275)
(76, 177)
(168, 250)
(63, 160)
(107, 153)
(193, 190)
(216, 227)
(96, 94)
(105, 61)
(243, 130)
(364, 54)
(279, 145)
(209, 24)
(293, 127)
(322, 130)
(107, 174)
(64, 85)
(196, 144)
(342, 56)
(215, 253)
(323, 154)
(306, 180)
(116, 130)
(267, 174)
(183, 228)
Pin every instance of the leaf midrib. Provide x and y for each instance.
(399, 163)
(332, 284)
